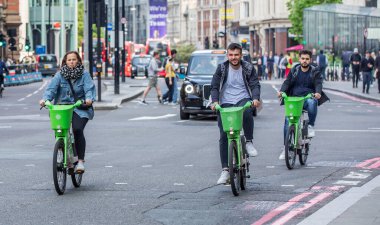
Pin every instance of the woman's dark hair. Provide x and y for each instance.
(234, 46)
(68, 53)
(305, 52)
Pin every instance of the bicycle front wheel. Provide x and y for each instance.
(303, 154)
(234, 168)
(290, 148)
(59, 171)
(76, 178)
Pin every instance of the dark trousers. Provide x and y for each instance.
(323, 72)
(367, 77)
(80, 141)
(355, 77)
(346, 73)
(247, 127)
(169, 94)
(378, 84)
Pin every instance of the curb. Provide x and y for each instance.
(115, 105)
(354, 94)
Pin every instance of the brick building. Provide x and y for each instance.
(9, 23)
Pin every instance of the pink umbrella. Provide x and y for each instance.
(294, 48)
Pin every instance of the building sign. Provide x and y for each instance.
(158, 12)
(230, 13)
(372, 33)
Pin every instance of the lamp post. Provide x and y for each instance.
(225, 24)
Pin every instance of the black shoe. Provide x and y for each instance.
(159, 99)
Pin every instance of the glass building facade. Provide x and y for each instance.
(340, 27)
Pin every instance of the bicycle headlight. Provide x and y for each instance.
(189, 89)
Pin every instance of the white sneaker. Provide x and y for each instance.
(310, 131)
(80, 167)
(250, 149)
(224, 177)
(282, 155)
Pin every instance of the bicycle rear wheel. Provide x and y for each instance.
(303, 154)
(233, 168)
(59, 171)
(290, 148)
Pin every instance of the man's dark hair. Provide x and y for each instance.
(155, 53)
(234, 46)
(305, 52)
(174, 52)
(321, 52)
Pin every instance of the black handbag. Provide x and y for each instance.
(83, 106)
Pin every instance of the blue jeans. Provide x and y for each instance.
(175, 90)
(367, 77)
(311, 106)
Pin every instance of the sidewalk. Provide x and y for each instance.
(359, 205)
(131, 89)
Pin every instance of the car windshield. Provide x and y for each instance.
(141, 61)
(205, 64)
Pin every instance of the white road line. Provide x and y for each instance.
(374, 128)
(270, 167)
(1, 182)
(146, 166)
(348, 182)
(358, 131)
(30, 165)
(355, 175)
(188, 165)
(274, 87)
(153, 117)
(108, 166)
(21, 99)
(178, 184)
(29, 95)
(5, 127)
(287, 185)
(121, 183)
(35, 92)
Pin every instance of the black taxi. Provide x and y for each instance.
(195, 90)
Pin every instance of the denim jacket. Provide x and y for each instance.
(59, 90)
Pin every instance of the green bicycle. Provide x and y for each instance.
(64, 150)
(238, 164)
(297, 141)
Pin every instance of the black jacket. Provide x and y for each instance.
(289, 83)
(365, 62)
(251, 80)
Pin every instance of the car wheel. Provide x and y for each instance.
(183, 115)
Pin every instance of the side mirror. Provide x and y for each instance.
(182, 70)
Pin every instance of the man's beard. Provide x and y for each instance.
(238, 63)
(305, 65)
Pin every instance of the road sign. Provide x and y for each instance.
(109, 26)
(123, 20)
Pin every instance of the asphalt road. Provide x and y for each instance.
(146, 166)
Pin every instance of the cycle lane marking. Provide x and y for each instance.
(35, 92)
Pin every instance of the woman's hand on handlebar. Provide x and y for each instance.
(88, 102)
(42, 103)
(213, 105)
(256, 103)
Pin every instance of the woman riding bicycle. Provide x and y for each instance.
(69, 84)
(234, 83)
(304, 79)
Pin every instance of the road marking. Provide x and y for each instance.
(178, 184)
(297, 211)
(355, 175)
(270, 167)
(359, 131)
(35, 92)
(5, 127)
(153, 117)
(188, 165)
(367, 162)
(121, 183)
(21, 99)
(108, 166)
(24, 117)
(1, 182)
(29, 95)
(348, 182)
(310, 167)
(353, 98)
(146, 166)
(374, 128)
(267, 217)
(274, 87)
(287, 185)
(30, 165)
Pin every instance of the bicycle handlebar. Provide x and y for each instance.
(310, 95)
(49, 105)
(246, 106)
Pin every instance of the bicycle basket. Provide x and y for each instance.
(232, 118)
(60, 116)
(293, 106)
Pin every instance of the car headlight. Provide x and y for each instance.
(134, 68)
(189, 89)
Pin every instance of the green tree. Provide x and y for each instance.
(296, 7)
(184, 52)
(80, 21)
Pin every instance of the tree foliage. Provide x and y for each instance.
(296, 7)
(184, 52)
(80, 22)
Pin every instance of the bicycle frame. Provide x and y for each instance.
(295, 119)
(63, 134)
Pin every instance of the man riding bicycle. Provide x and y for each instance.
(303, 79)
(234, 83)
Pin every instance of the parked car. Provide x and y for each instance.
(47, 64)
(140, 65)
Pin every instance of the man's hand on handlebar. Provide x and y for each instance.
(213, 105)
(256, 103)
(279, 94)
(317, 96)
(88, 102)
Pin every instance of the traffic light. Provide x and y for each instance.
(207, 43)
(27, 45)
(215, 44)
(12, 43)
(3, 43)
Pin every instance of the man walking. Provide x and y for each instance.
(3, 69)
(367, 66)
(355, 62)
(153, 78)
(322, 63)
